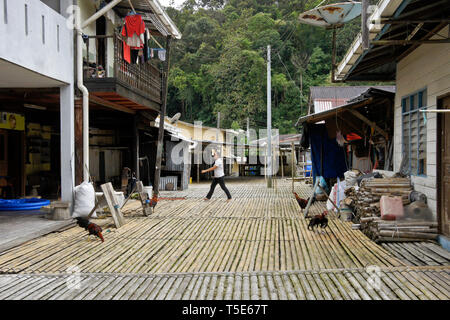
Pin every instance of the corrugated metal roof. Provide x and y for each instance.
(344, 92)
(379, 62)
(327, 104)
(366, 95)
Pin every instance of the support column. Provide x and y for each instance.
(67, 142)
(78, 161)
(136, 147)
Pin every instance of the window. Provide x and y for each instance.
(414, 132)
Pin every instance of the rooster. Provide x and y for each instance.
(94, 229)
(153, 202)
(301, 202)
(320, 219)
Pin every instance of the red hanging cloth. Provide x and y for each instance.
(134, 24)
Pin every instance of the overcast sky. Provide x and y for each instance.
(166, 3)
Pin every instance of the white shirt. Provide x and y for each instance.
(218, 172)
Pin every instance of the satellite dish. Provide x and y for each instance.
(331, 15)
(175, 118)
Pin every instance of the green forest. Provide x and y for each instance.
(219, 65)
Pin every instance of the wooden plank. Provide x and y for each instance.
(113, 204)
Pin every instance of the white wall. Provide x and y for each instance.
(30, 51)
(426, 67)
(87, 9)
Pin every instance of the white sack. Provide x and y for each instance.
(84, 200)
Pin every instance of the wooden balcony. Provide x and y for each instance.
(113, 82)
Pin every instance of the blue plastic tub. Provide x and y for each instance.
(23, 204)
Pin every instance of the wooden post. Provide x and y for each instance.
(282, 163)
(292, 165)
(113, 204)
(78, 141)
(198, 172)
(333, 55)
(364, 27)
(159, 149)
(265, 165)
(312, 196)
(136, 147)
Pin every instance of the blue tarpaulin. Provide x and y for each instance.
(328, 158)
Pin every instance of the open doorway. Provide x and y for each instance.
(12, 171)
(101, 44)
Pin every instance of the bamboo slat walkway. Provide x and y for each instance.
(396, 284)
(419, 253)
(257, 245)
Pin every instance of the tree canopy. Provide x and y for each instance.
(220, 62)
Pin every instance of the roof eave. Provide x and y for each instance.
(165, 19)
(385, 8)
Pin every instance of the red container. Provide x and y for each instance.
(391, 208)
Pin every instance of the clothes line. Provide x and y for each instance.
(436, 110)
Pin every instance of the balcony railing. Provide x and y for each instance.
(143, 78)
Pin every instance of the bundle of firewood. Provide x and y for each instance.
(365, 200)
(398, 231)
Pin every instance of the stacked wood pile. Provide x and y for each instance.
(365, 200)
(398, 231)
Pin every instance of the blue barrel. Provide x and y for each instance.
(308, 170)
(23, 204)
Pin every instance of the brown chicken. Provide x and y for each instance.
(153, 202)
(93, 228)
(301, 202)
(319, 220)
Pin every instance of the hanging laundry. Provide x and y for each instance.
(162, 55)
(126, 52)
(134, 56)
(146, 48)
(133, 32)
(133, 25)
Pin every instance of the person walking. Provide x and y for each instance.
(218, 176)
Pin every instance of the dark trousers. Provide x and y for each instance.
(214, 183)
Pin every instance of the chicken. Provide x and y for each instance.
(94, 229)
(301, 202)
(153, 202)
(317, 220)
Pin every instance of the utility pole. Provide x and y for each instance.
(301, 93)
(218, 131)
(248, 130)
(269, 121)
(159, 148)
